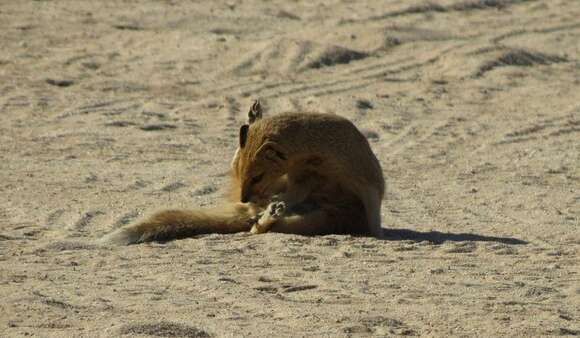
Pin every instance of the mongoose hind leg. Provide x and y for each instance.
(271, 215)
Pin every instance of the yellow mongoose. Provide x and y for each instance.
(296, 173)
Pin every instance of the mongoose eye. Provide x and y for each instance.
(258, 178)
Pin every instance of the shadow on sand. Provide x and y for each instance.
(441, 237)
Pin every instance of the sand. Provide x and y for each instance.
(110, 110)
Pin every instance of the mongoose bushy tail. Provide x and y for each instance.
(177, 223)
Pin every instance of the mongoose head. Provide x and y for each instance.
(258, 163)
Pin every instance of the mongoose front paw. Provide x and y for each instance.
(274, 212)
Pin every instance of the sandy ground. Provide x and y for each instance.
(112, 109)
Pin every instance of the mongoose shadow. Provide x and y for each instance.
(442, 237)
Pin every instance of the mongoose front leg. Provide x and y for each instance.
(297, 190)
(315, 222)
(293, 197)
(273, 213)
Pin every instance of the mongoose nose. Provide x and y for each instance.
(245, 194)
(245, 198)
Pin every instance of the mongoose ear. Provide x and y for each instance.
(255, 112)
(244, 135)
(272, 152)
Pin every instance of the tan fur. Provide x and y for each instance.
(299, 173)
(320, 159)
(175, 223)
